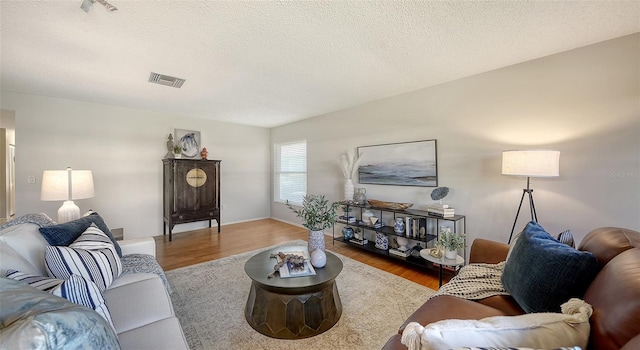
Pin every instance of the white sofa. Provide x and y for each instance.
(139, 304)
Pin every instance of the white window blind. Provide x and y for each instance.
(290, 172)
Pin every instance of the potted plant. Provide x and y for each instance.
(317, 214)
(450, 242)
(177, 151)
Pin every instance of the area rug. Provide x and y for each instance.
(209, 300)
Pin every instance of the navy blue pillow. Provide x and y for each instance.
(67, 233)
(541, 273)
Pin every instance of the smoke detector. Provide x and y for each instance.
(166, 80)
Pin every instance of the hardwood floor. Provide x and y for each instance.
(194, 247)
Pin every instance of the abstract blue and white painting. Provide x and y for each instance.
(189, 141)
(402, 164)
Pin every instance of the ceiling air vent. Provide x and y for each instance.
(165, 80)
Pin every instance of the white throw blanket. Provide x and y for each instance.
(475, 281)
(536, 330)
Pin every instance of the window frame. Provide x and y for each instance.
(278, 172)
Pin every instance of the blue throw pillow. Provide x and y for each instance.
(67, 233)
(542, 273)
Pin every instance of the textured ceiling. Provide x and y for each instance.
(271, 63)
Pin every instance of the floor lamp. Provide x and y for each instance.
(67, 185)
(530, 163)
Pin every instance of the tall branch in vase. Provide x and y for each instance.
(349, 166)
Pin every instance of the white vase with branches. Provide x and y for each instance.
(349, 166)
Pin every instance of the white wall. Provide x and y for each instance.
(584, 102)
(124, 148)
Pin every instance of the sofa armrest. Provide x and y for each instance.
(144, 245)
(488, 252)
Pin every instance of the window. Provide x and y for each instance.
(290, 172)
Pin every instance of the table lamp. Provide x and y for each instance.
(67, 185)
(530, 163)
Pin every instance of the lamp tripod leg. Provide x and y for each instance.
(534, 215)
(517, 214)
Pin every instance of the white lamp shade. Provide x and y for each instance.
(55, 185)
(531, 163)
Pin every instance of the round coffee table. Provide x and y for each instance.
(296, 307)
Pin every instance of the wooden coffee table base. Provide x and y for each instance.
(293, 316)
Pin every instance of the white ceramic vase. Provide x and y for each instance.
(450, 254)
(318, 258)
(348, 190)
(316, 240)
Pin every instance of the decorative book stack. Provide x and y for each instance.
(403, 253)
(359, 241)
(415, 227)
(441, 210)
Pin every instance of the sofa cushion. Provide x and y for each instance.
(163, 334)
(137, 300)
(536, 330)
(65, 234)
(10, 259)
(91, 256)
(26, 240)
(76, 289)
(542, 273)
(33, 319)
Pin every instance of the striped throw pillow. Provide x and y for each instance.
(92, 256)
(76, 289)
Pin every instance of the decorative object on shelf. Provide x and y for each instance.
(204, 153)
(398, 227)
(170, 145)
(348, 190)
(435, 252)
(382, 241)
(530, 163)
(373, 220)
(360, 197)
(393, 242)
(439, 193)
(177, 151)
(317, 214)
(67, 185)
(348, 165)
(389, 205)
(366, 216)
(318, 258)
(403, 164)
(189, 141)
(347, 233)
(415, 251)
(358, 234)
(450, 242)
(402, 243)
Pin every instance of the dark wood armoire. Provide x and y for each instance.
(191, 192)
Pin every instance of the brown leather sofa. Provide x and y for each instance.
(614, 293)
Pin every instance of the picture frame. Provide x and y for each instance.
(411, 163)
(189, 141)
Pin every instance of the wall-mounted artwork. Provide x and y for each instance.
(402, 164)
(189, 140)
